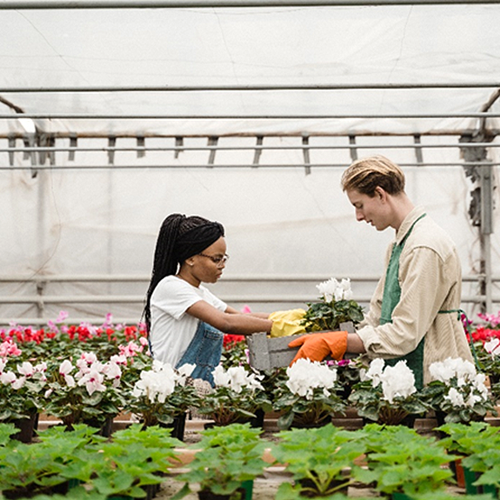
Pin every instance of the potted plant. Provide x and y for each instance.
(317, 459)
(477, 439)
(387, 394)
(21, 394)
(457, 393)
(402, 464)
(237, 396)
(128, 466)
(228, 461)
(36, 468)
(307, 396)
(162, 397)
(336, 306)
(85, 392)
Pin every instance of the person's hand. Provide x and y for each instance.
(286, 323)
(318, 346)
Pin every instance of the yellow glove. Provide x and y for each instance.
(318, 346)
(286, 323)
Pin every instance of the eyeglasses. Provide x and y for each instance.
(218, 260)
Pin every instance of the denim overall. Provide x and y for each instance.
(204, 351)
(390, 298)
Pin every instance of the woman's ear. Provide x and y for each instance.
(190, 261)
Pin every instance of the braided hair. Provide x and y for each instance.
(180, 237)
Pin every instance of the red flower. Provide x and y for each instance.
(230, 340)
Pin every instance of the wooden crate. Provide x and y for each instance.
(266, 352)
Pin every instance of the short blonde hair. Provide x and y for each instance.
(366, 174)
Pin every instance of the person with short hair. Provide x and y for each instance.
(414, 313)
(183, 318)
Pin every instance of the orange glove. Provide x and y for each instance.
(318, 346)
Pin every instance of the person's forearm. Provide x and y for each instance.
(355, 344)
(246, 324)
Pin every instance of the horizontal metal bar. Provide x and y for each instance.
(251, 88)
(129, 299)
(174, 4)
(412, 146)
(226, 278)
(96, 321)
(80, 116)
(64, 134)
(234, 166)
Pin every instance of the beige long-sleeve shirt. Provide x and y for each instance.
(430, 278)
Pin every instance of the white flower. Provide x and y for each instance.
(119, 359)
(374, 372)
(3, 362)
(327, 289)
(305, 375)
(112, 371)
(93, 381)
(160, 382)
(455, 398)
(26, 369)
(332, 289)
(19, 383)
(186, 370)
(236, 378)
(65, 369)
(345, 285)
(445, 370)
(493, 347)
(8, 377)
(398, 381)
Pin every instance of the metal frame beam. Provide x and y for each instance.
(176, 4)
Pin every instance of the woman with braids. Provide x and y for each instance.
(184, 319)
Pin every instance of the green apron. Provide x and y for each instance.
(391, 297)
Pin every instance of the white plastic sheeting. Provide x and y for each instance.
(279, 221)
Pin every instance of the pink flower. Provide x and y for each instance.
(62, 316)
(9, 348)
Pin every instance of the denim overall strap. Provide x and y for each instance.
(390, 298)
(204, 351)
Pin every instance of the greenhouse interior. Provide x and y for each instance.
(115, 114)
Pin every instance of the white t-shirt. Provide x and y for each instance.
(172, 329)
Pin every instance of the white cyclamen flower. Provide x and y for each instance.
(8, 377)
(161, 381)
(64, 369)
(93, 381)
(493, 347)
(374, 372)
(455, 398)
(445, 370)
(327, 289)
(345, 286)
(398, 381)
(236, 378)
(26, 369)
(305, 375)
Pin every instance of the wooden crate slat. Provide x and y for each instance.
(266, 352)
